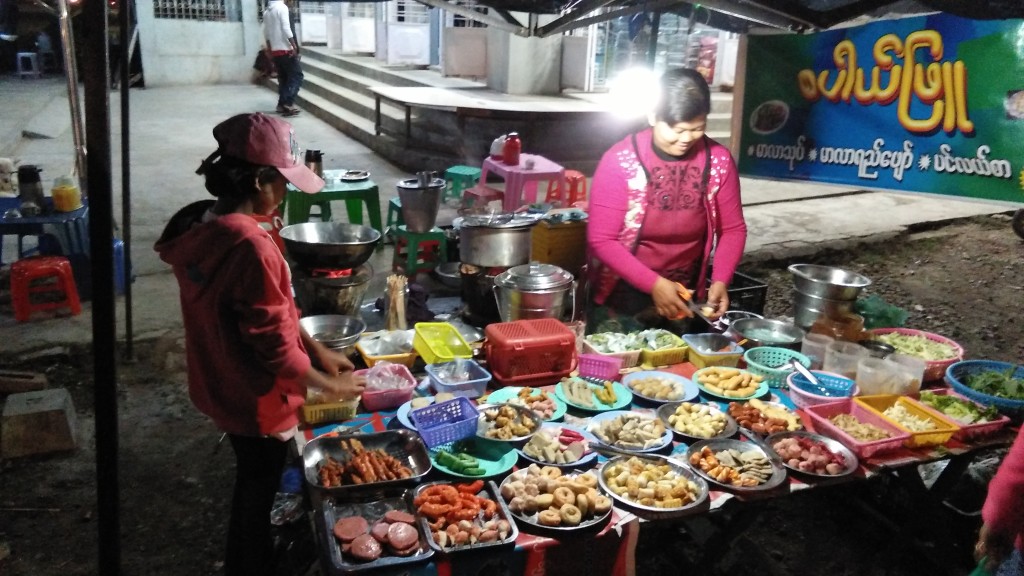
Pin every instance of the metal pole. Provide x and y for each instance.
(125, 21)
(652, 47)
(71, 75)
(96, 70)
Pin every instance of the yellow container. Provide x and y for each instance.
(666, 356)
(406, 359)
(66, 195)
(438, 342)
(944, 429)
(563, 244)
(329, 412)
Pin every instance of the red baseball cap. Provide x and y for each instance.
(266, 141)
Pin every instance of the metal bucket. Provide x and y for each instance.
(421, 199)
(533, 291)
(807, 309)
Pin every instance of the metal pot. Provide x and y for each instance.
(534, 290)
(495, 241)
(763, 332)
(421, 199)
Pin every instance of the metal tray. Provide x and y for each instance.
(333, 508)
(719, 444)
(483, 426)
(404, 445)
(489, 491)
(834, 445)
(666, 410)
(531, 519)
(780, 405)
(654, 512)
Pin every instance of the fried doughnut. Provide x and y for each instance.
(588, 480)
(544, 500)
(578, 488)
(549, 518)
(602, 504)
(550, 472)
(562, 496)
(583, 503)
(592, 494)
(570, 515)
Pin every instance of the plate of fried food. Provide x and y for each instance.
(653, 485)
(548, 406)
(550, 499)
(730, 383)
(658, 386)
(693, 421)
(506, 422)
(588, 395)
(735, 465)
(763, 418)
(630, 431)
(560, 445)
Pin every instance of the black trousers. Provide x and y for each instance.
(259, 465)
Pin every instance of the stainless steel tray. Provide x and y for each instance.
(483, 426)
(332, 508)
(489, 491)
(405, 445)
(666, 410)
(653, 512)
(719, 444)
(531, 519)
(834, 445)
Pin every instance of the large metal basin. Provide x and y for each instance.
(334, 331)
(807, 309)
(828, 282)
(762, 332)
(334, 245)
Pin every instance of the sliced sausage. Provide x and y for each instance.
(380, 532)
(346, 529)
(402, 535)
(399, 516)
(406, 552)
(366, 548)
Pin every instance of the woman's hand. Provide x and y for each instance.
(346, 385)
(718, 298)
(331, 361)
(994, 548)
(667, 301)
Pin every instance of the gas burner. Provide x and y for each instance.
(331, 272)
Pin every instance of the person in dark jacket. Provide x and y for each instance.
(249, 361)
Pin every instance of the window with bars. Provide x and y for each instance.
(202, 10)
(360, 9)
(459, 21)
(411, 12)
(311, 7)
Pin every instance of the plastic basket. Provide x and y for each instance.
(629, 359)
(406, 359)
(933, 369)
(821, 417)
(804, 394)
(746, 293)
(957, 373)
(562, 244)
(530, 352)
(438, 342)
(966, 431)
(329, 412)
(764, 361)
(696, 343)
(600, 366)
(446, 422)
(665, 356)
(944, 428)
(374, 400)
(474, 387)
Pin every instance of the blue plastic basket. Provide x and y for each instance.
(446, 421)
(474, 387)
(831, 385)
(957, 373)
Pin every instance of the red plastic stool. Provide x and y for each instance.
(480, 195)
(577, 189)
(26, 270)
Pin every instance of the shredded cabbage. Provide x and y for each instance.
(918, 346)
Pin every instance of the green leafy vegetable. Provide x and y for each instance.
(999, 383)
(962, 411)
(918, 346)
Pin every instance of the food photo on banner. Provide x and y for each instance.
(923, 104)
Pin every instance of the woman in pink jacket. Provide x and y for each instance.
(1001, 540)
(663, 201)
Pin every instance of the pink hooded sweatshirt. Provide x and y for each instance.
(243, 345)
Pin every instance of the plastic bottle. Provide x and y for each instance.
(513, 148)
(498, 148)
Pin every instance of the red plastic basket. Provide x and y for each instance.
(934, 369)
(821, 416)
(966, 431)
(600, 366)
(530, 352)
(374, 400)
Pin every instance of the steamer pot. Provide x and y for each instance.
(534, 290)
(493, 241)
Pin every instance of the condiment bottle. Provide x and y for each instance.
(513, 148)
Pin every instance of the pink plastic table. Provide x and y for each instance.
(520, 182)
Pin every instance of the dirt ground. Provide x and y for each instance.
(964, 280)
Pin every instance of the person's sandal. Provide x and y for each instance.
(293, 111)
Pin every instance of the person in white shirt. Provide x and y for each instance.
(283, 49)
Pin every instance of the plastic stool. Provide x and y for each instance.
(28, 65)
(577, 184)
(394, 213)
(24, 271)
(481, 195)
(458, 178)
(418, 252)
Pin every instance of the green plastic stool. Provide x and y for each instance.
(418, 252)
(354, 194)
(457, 179)
(394, 213)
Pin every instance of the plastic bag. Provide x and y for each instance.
(387, 376)
(454, 371)
(878, 313)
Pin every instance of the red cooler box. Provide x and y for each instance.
(530, 352)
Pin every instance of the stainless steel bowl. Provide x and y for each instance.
(807, 309)
(763, 332)
(333, 245)
(448, 274)
(828, 282)
(334, 330)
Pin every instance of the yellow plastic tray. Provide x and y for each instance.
(440, 342)
(406, 359)
(665, 356)
(944, 429)
(728, 360)
(329, 412)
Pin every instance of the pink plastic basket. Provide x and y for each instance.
(600, 366)
(934, 369)
(966, 431)
(821, 416)
(374, 400)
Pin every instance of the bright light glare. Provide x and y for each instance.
(634, 92)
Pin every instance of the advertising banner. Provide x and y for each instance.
(924, 104)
